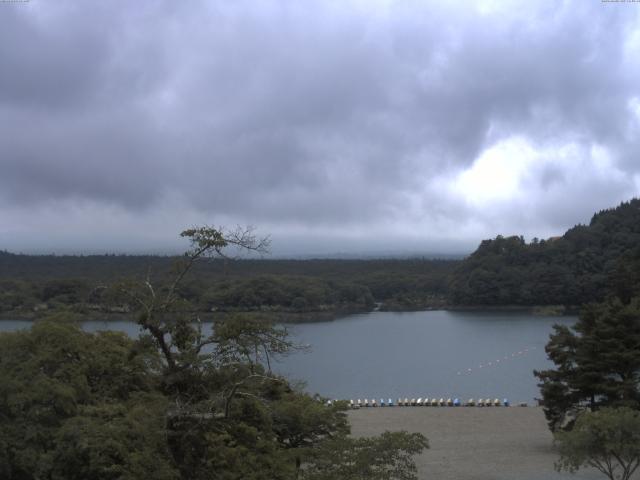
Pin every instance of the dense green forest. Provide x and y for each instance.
(584, 265)
(175, 403)
(36, 284)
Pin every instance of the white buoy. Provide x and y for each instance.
(400, 402)
(390, 403)
(406, 402)
(449, 402)
(442, 402)
(374, 403)
(382, 402)
(471, 402)
(366, 402)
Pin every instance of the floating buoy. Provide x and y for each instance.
(382, 402)
(366, 402)
(456, 402)
(480, 402)
(449, 402)
(505, 402)
(374, 403)
(471, 402)
(390, 403)
(419, 402)
(406, 402)
(496, 402)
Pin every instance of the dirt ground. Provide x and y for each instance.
(472, 443)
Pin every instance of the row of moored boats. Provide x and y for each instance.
(431, 402)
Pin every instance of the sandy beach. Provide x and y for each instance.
(474, 443)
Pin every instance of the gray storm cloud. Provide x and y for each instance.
(369, 125)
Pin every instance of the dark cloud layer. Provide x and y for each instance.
(375, 125)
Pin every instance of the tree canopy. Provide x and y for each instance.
(608, 440)
(597, 362)
(585, 264)
(176, 403)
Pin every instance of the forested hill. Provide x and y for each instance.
(41, 283)
(584, 265)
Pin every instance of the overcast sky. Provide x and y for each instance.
(335, 126)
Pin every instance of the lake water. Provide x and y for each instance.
(413, 354)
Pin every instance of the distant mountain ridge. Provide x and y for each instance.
(585, 264)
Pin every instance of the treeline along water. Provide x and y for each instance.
(391, 354)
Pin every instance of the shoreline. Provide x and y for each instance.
(305, 317)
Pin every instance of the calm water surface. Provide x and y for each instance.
(420, 354)
(416, 354)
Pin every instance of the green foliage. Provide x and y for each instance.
(597, 362)
(69, 398)
(386, 457)
(586, 264)
(174, 404)
(31, 284)
(608, 440)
